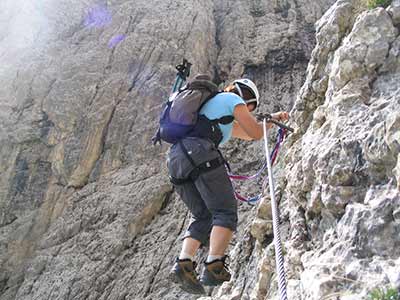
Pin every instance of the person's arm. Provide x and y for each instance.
(246, 126)
(238, 132)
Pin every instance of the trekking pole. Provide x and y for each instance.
(275, 221)
(183, 73)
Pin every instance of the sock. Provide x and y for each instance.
(184, 255)
(211, 258)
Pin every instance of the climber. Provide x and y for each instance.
(210, 196)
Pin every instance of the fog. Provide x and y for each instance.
(22, 23)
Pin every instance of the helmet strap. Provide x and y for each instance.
(239, 90)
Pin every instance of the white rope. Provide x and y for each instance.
(275, 220)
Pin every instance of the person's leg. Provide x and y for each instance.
(211, 201)
(180, 167)
(184, 270)
(200, 222)
(219, 240)
(189, 248)
(217, 191)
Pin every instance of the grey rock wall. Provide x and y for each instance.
(345, 161)
(86, 210)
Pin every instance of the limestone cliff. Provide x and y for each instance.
(86, 209)
(345, 199)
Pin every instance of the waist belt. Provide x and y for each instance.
(199, 169)
(202, 168)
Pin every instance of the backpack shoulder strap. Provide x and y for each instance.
(225, 120)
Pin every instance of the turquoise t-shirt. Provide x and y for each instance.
(221, 105)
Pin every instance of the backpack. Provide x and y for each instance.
(180, 117)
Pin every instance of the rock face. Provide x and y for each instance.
(86, 209)
(345, 158)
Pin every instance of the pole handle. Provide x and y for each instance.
(184, 69)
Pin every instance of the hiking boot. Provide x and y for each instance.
(184, 273)
(215, 272)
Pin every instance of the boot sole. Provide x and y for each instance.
(184, 285)
(210, 281)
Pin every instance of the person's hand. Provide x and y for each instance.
(281, 116)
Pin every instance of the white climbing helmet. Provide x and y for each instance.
(247, 83)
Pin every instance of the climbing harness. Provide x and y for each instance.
(198, 169)
(275, 221)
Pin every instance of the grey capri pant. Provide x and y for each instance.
(210, 197)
